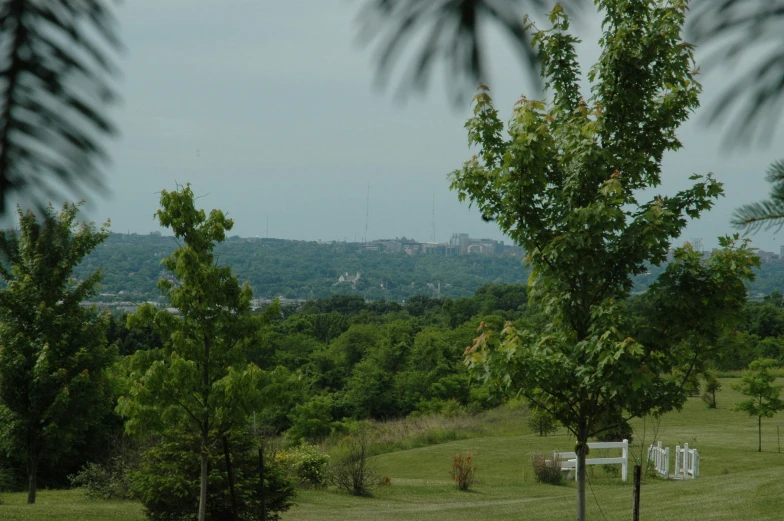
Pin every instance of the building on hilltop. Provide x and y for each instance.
(765, 256)
(459, 244)
(351, 279)
(465, 244)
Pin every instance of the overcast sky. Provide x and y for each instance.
(270, 110)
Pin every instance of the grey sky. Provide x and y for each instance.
(269, 109)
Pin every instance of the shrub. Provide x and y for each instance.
(112, 479)
(463, 470)
(712, 386)
(312, 420)
(6, 476)
(100, 483)
(547, 470)
(352, 468)
(168, 481)
(308, 465)
(541, 421)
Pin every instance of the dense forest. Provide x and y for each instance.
(304, 270)
(309, 270)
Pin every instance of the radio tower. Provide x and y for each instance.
(367, 214)
(433, 222)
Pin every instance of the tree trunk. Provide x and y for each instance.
(261, 483)
(204, 476)
(581, 452)
(32, 471)
(230, 473)
(759, 432)
(205, 432)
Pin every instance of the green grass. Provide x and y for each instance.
(778, 372)
(67, 505)
(736, 482)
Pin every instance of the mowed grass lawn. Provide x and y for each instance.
(736, 482)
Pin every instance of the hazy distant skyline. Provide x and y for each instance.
(269, 110)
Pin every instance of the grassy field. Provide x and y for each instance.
(67, 505)
(736, 482)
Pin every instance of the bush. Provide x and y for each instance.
(112, 479)
(168, 481)
(541, 421)
(463, 470)
(312, 421)
(547, 470)
(6, 477)
(100, 482)
(308, 465)
(352, 469)
(712, 386)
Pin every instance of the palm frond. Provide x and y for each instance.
(451, 30)
(765, 214)
(752, 30)
(54, 88)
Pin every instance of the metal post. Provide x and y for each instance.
(636, 505)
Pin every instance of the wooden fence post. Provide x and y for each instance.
(636, 500)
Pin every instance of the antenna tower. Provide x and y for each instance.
(433, 222)
(367, 214)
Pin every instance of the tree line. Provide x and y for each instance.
(302, 270)
(197, 391)
(131, 267)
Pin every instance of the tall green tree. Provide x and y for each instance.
(199, 382)
(764, 396)
(566, 183)
(53, 352)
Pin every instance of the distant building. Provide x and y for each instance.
(459, 244)
(465, 244)
(351, 279)
(765, 256)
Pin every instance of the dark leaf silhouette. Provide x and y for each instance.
(765, 214)
(54, 87)
(450, 30)
(744, 30)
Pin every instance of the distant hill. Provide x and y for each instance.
(304, 270)
(307, 270)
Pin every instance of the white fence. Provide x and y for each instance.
(569, 459)
(660, 457)
(687, 461)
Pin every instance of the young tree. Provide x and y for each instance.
(757, 383)
(199, 382)
(53, 384)
(565, 184)
(712, 386)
